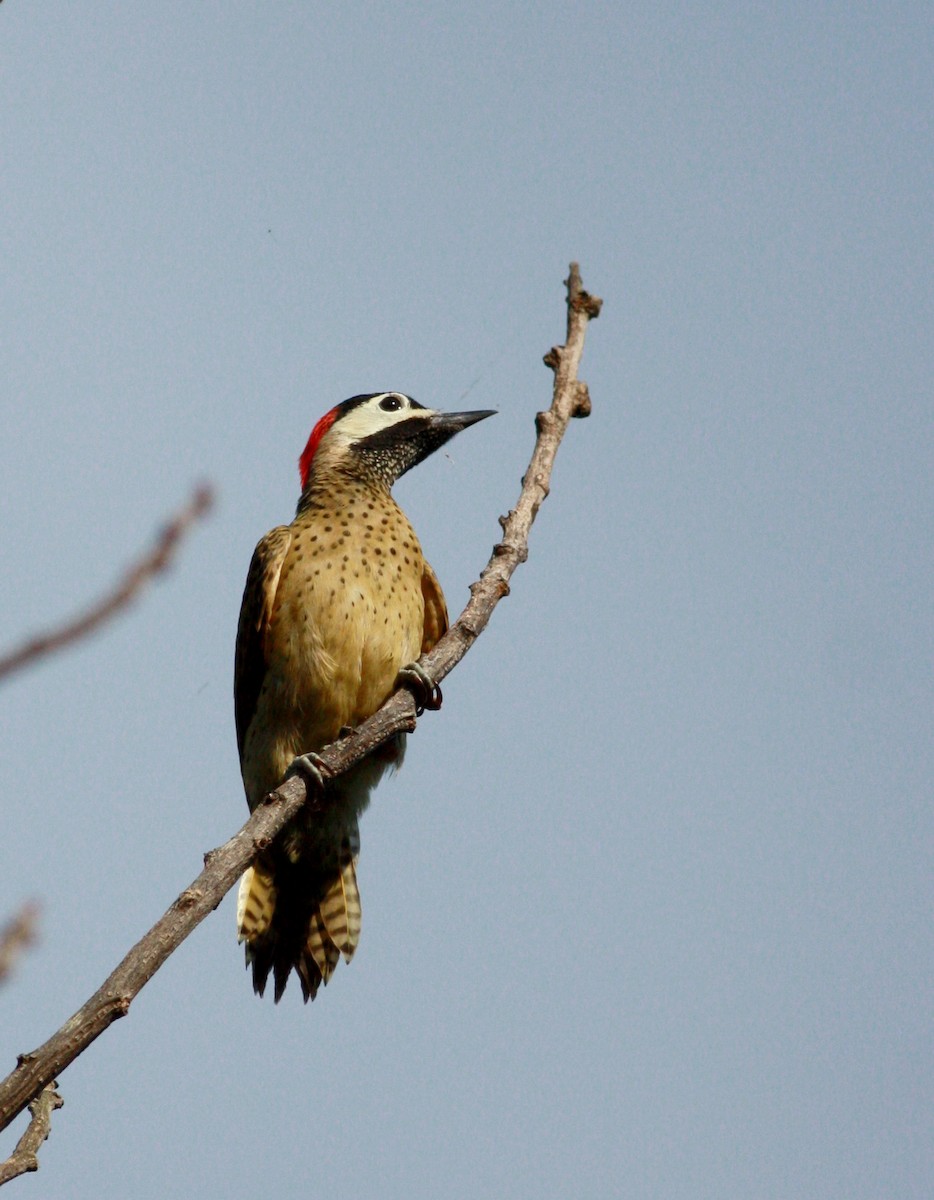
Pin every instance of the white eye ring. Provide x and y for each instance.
(390, 403)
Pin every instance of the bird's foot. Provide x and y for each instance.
(312, 769)
(425, 692)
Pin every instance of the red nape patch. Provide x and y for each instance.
(308, 454)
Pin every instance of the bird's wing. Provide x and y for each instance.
(255, 612)
(436, 611)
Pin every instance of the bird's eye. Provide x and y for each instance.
(390, 403)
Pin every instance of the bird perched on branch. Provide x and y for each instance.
(337, 608)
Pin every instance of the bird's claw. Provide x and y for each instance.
(312, 768)
(425, 692)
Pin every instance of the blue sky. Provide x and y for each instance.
(647, 913)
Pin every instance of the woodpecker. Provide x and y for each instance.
(336, 609)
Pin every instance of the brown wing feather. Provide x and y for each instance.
(258, 598)
(436, 611)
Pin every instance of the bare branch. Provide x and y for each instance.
(225, 865)
(25, 1157)
(127, 589)
(18, 933)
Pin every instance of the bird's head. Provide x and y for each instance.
(379, 435)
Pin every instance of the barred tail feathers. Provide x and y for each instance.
(256, 903)
(340, 908)
(293, 917)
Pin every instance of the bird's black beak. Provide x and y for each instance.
(451, 423)
(439, 428)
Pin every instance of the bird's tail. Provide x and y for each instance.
(296, 914)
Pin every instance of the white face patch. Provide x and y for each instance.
(379, 412)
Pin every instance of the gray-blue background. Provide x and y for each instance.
(648, 911)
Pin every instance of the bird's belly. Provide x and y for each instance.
(333, 657)
(344, 648)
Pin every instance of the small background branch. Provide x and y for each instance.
(225, 865)
(18, 933)
(134, 579)
(25, 1157)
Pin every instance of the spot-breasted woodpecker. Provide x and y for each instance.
(335, 606)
